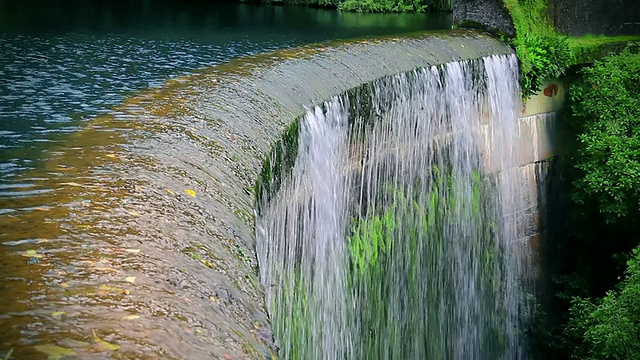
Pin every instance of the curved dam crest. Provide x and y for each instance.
(148, 242)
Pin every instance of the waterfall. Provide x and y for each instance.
(394, 234)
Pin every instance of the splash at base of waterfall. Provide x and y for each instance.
(393, 234)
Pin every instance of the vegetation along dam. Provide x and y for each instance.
(199, 181)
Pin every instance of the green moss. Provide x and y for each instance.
(588, 48)
(543, 53)
(277, 165)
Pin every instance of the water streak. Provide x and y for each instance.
(396, 234)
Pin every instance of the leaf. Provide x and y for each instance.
(33, 254)
(110, 289)
(72, 184)
(133, 212)
(104, 344)
(190, 192)
(54, 352)
(58, 314)
(104, 268)
(169, 192)
(131, 317)
(130, 279)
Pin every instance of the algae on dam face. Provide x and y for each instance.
(389, 238)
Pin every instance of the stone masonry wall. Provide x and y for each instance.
(490, 13)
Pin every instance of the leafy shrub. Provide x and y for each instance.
(541, 58)
(609, 328)
(384, 5)
(605, 108)
(543, 53)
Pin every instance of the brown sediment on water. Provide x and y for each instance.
(161, 190)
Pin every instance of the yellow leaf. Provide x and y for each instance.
(58, 314)
(131, 279)
(169, 191)
(111, 155)
(54, 352)
(33, 254)
(107, 288)
(190, 192)
(72, 184)
(131, 317)
(133, 212)
(104, 344)
(64, 285)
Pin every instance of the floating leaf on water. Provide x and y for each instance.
(213, 298)
(169, 192)
(109, 289)
(111, 156)
(190, 192)
(130, 279)
(57, 314)
(64, 285)
(131, 317)
(104, 344)
(133, 212)
(133, 251)
(33, 254)
(72, 184)
(54, 352)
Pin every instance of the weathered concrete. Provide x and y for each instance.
(599, 17)
(571, 17)
(490, 13)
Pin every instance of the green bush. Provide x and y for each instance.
(541, 58)
(609, 328)
(543, 53)
(605, 112)
(384, 5)
(369, 6)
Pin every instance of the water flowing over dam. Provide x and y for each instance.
(352, 199)
(391, 237)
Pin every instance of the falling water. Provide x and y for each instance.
(394, 233)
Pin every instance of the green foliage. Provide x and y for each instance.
(541, 58)
(603, 175)
(609, 328)
(277, 166)
(384, 5)
(605, 112)
(543, 53)
(369, 6)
